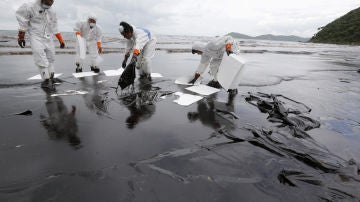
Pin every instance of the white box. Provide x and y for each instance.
(82, 46)
(230, 69)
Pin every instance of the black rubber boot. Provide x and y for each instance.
(78, 68)
(233, 91)
(214, 84)
(95, 69)
(47, 85)
(148, 76)
(142, 76)
(52, 74)
(145, 76)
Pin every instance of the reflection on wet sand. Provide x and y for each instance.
(214, 114)
(60, 123)
(141, 104)
(96, 100)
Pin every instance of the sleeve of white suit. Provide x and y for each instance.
(54, 24)
(141, 38)
(219, 43)
(204, 63)
(99, 34)
(77, 27)
(228, 40)
(129, 46)
(23, 17)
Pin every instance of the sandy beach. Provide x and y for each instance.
(141, 146)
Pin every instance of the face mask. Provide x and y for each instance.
(44, 6)
(92, 25)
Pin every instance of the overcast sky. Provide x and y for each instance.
(191, 17)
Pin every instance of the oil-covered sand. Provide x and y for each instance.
(292, 133)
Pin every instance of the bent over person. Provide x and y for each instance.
(38, 19)
(92, 34)
(142, 44)
(211, 55)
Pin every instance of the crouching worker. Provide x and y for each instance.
(142, 45)
(39, 20)
(211, 55)
(92, 33)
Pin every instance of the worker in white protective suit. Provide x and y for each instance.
(39, 20)
(211, 55)
(141, 42)
(92, 33)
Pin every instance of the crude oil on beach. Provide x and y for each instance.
(292, 133)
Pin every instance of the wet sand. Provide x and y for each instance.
(137, 146)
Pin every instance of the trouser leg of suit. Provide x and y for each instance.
(93, 53)
(78, 60)
(214, 67)
(139, 61)
(144, 61)
(50, 55)
(44, 55)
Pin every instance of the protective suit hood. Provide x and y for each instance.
(92, 16)
(199, 46)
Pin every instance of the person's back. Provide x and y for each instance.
(141, 37)
(216, 47)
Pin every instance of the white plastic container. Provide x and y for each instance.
(82, 47)
(229, 74)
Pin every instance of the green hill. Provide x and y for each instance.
(344, 30)
(282, 38)
(269, 37)
(239, 36)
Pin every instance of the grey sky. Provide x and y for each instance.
(189, 17)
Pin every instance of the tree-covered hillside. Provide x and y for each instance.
(344, 30)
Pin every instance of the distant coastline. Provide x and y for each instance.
(270, 37)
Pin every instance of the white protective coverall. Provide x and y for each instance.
(41, 24)
(92, 37)
(212, 54)
(144, 41)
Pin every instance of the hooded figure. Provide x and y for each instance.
(211, 55)
(39, 20)
(92, 33)
(141, 42)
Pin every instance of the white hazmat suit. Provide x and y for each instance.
(212, 54)
(93, 38)
(41, 25)
(143, 41)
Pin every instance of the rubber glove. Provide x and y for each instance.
(21, 38)
(196, 76)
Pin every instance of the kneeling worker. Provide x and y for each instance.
(211, 55)
(142, 43)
